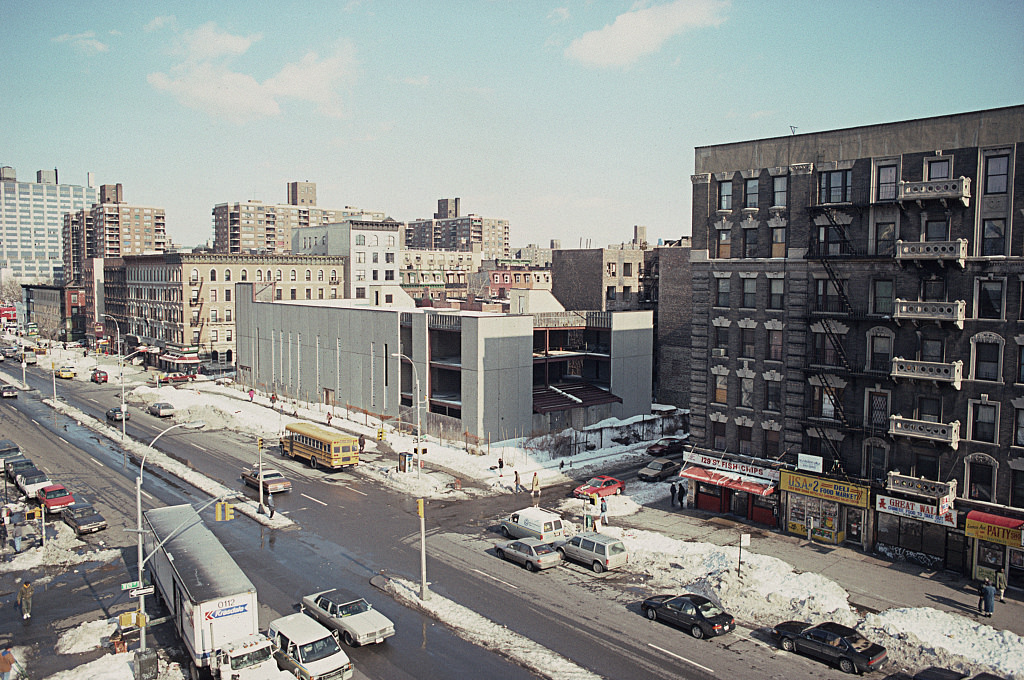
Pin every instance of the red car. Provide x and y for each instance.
(98, 376)
(169, 378)
(55, 498)
(602, 486)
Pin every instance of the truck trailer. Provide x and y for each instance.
(211, 601)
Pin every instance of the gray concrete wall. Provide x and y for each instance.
(632, 344)
(497, 374)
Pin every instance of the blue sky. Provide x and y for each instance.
(573, 120)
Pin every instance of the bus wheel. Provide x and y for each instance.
(312, 462)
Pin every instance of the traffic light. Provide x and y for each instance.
(419, 507)
(259, 442)
(223, 512)
(33, 514)
(593, 499)
(229, 512)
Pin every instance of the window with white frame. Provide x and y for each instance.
(886, 187)
(997, 169)
(722, 292)
(750, 195)
(749, 293)
(938, 168)
(987, 360)
(981, 477)
(879, 350)
(214, 336)
(724, 244)
(1018, 427)
(779, 188)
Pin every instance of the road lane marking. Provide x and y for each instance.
(681, 658)
(357, 490)
(96, 461)
(313, 499)
(493, 578)
(200, 448)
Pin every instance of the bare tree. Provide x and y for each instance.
(10, 290)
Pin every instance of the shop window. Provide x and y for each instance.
(929, 409)
(749, 293)
(984, 419)
(986, 360)
(779, 188)
(888, 528)
(993, 238)
(980, 481)
(773, 395)
(747, 392)
(775, 345)
(724, 249)
(722, 292)
(776, 293)
(746, 438)
(747, 342)
(725, 195)
(778, 241)
(721, 389)
(990, 555)
(718, 435)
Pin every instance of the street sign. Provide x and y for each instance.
(139, 592)
(130, 585)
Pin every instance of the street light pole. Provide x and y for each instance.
(117, 326)
(419, 399)
(138, 514)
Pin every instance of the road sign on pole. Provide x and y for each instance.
(139, 592)
(130, 585)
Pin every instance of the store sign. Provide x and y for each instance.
(808, 462)
(915, 510)
(717, 463)
(993, 533)
(827, 489)
(945, 504)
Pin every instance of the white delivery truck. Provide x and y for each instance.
(211, 601)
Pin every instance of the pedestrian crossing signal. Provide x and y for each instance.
(223, 512)
(33, 514)
(593, 499)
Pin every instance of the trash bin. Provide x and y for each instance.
(404, 462)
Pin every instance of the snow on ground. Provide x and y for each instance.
(767, 590)
(62, 549)
(86, 637)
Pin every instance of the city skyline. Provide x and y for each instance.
(571, 120)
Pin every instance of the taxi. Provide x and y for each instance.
(66, 372)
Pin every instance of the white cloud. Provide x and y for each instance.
(159, 22)
(84, 42)
(559, 14)
(205, 80)
(418, 81)
(642, 31)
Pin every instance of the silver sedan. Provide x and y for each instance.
(532, 553)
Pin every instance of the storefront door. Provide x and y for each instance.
(739, 502)
(956, 552)
(854, 524)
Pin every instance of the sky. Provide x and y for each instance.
(572, 120)
(770, 590)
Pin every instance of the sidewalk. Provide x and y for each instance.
(874, 583)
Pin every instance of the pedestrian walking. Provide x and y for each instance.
(25, 599)
(273, 399)
(987, 601)
(1001, 583)
(519, 487)
(6, 663)
(604, 511)
(252, 393)
(673, 491)
(270, 504)
(362, 443)
(328, 419)
(17, 531)
(501, 466)
(535, 491)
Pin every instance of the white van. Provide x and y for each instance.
(533, 523)
(307, 650)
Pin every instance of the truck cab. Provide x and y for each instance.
(250, 658)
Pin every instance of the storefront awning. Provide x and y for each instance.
(731, 480)
(989, 518)
(177, 359)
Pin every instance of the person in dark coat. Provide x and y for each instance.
(362, 443)
(501, 466)
(987, 602)
(26, 591)
(674, 492)
(1001, 584)
(270, 504)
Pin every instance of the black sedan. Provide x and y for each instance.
(667, 446)
(696, 613)
(83, 518)
(9, 392)
(831, 642)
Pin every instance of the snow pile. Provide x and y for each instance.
(86, 637)
(470, 626)
(117, 667)
(62, 550)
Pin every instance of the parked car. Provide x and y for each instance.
(11, 352)
(161, 409)
(171, 378)
(667, 446)
(9, 392)
(833, 643)
(658, 469)
(8, 449)
(31, 480)
(602, 486)
(354, 618)
(695, 613)
(98, 376)
(597, 551)
(117, 414)
(273, 481)
(83, 518)
(15, 466)
(532, 553)
(66, 372)
(54, 498)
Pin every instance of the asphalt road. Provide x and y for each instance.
(350, 528)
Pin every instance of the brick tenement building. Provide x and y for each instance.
(858, 298)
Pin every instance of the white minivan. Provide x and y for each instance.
(533, 523)
(307, 650)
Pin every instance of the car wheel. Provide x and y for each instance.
(652, 613)
(787, 644)
(620, 490)
(349, 640)
(530, 566)
(561, 552)
(696, 631)
(847, 666)
(500, 553)
(298, 674)
(505, 532)
(597, 567)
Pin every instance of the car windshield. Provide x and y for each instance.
(596, 481)
(655, 466)
(666, 442)
(84, 512)
(271, 475)
(357, 607)
(252, 658)
(59, 493)
(616, 548)
(321, 649)
(709, 609)
(543, 549)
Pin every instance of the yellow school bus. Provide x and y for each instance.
(319, 446)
